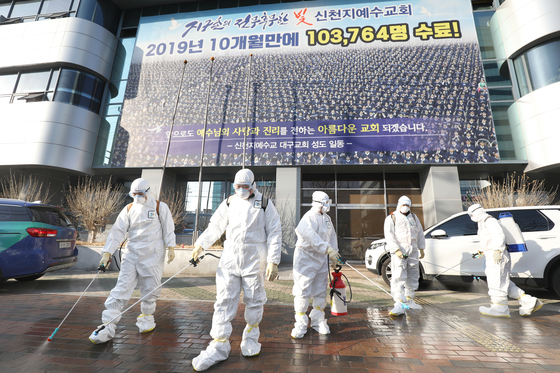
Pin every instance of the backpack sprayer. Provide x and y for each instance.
(192, 262)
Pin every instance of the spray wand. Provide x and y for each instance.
(192, 262)
(473, 256)
(99, 269)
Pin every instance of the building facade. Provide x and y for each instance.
(366, 101)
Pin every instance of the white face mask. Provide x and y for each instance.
(139, 199)
(404, 209)
(326, 208)
(243, 193)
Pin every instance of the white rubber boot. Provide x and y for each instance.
(412, 304)
(495, 310)
(397, 310)
(104, 335)
(216, 351)
(145, 323)
(528, 305)
(300, 327)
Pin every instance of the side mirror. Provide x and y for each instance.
(438, 233)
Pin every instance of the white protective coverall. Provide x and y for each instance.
(315, 233)
(404, 234)
(253, 238)
(142, 261)
(492, 239)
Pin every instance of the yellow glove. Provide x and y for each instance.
(399, 253)
(334, 256)
(497, 256)
(196, 252)
(271, 271)
(170, 254)
(105, 257)
(421, 254)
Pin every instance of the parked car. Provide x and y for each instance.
(35, 238)
(451, 243)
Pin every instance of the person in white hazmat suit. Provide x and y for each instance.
(150, 230)
(253, 239)
(498, 268)
(405, 241)
(316, 245)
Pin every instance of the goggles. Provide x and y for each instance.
(325, 202)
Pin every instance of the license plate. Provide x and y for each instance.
(64, 245)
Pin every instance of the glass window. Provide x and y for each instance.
(131, 18)
(169, 9)
(5, 8)
(482, 23)
(7, 83)
(493, 77)
(13, 213)
(102, 12)
(402, 180)
(528, 220)
(540, 64)
(80, 89)
(357, 228)
(208, 5)
(33, 82)
(500, 94)
(459, 226)
(25, 8)
(318, 181)
(361, 196)
(49, 216)
(55, 6)
(191, 6)
(359, 181)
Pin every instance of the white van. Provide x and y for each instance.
(451, 243)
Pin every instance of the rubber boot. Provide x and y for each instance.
(145, 323)
(495, 310)
(528, 305)
(412, 304)
(104, 335)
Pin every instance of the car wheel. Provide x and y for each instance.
(29, 278)
(555, 285)
(386, 270)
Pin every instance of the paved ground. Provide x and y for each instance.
(449, 335)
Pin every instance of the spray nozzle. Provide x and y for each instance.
(104, 267)
(477, 254)
(195, 262)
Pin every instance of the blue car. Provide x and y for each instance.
(35, 239)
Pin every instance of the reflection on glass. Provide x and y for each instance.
(409, 180)
(25, 8)
(493, 77)
(357, 228)
(54, 6)
(541, 63)
(361, 197)
(210, 197)
(7, 83)
(394, 195)
(500, 94)
(482, 23)
(33, 82)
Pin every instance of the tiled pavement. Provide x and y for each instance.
(449, 335)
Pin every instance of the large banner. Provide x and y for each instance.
(323, 82)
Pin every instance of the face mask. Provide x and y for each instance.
(139, 199)
(404, 209)
(326, 208)
(242, 193)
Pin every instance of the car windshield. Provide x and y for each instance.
(50, 216)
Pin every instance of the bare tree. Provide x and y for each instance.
(93, 202)
(513, 191)
(25, 188)
(176, 202)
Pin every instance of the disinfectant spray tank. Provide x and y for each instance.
(514, 238)
(338, 294)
